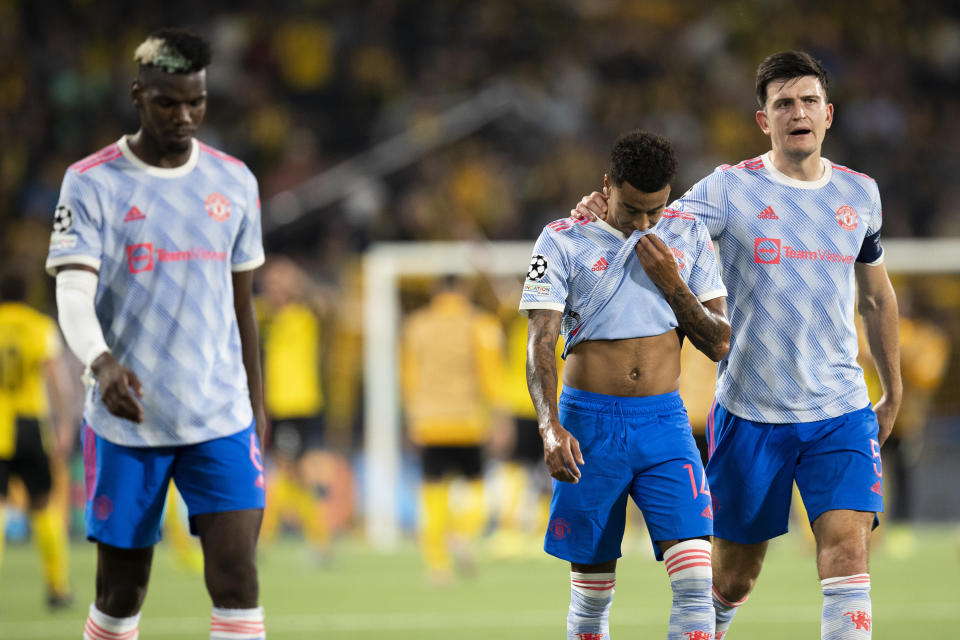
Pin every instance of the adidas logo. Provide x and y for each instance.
(768, 214)
(708, 512)
(134, 214)
(600, 265)
(877, 488)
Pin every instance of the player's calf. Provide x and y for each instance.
(591, 595)
(692, 615)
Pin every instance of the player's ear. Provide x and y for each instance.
(829, 114)
(606, 185)
(136, 94)
(763, 121)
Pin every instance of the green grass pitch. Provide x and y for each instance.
(365, 595)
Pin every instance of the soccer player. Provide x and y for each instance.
(624, 292)
(295, 404)
(451, 366)
(155, 239)
(799, 244)
(31, 376)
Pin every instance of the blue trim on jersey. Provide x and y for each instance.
(127, 486)
(835, 462)
(637, 446)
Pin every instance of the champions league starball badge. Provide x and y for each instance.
(62, 219)
(538, 268)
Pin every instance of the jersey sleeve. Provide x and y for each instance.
(545, 286)
(248, 247)
(704, 280)
(707, 200)
(77, 236)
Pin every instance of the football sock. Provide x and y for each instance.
(846, 608)
(591, 595)
(691, 578)
(724, 611)
(434, 518)
(50, 534)
(312, 515)
(513, 477)
(471, 513)
(237, 624)
(100, 626)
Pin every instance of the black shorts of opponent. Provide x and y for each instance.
(461, 461)
(29, 462)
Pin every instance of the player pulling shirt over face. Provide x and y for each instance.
(620, 291)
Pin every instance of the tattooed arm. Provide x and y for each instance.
(561, 451)
(704, 323)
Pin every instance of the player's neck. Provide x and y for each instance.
(150, 152)
(806, 168)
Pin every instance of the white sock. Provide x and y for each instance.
(846, 608)
(237, 624)
(691, 578)
(100, 626)
(591, 595)
(724, 611)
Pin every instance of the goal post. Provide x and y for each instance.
(386, 263)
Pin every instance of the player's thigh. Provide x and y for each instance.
(221, 475)
(587, 518)
(843, 542)
(126, 488)
(750, 474)
(30, 460)
(840, 466)
(672, 491)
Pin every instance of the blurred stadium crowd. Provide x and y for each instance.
(297, 88)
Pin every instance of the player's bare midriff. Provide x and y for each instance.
(632, 367)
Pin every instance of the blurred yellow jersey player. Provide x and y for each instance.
(30, 350)
(452, 362)
(293, 394)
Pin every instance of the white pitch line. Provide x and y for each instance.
(621, 617)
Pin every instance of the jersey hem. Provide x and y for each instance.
(59, 261)
(710, 295)
(826, 412)
(550, 306)
(173, 443)
(248, 265)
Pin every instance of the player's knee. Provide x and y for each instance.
(734, 586)
(843, 557)
(232, 583)
(121, 601)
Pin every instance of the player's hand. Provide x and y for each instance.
(591, 207)
(117, 387)
(561, 451)
(659, 263)
(886, 415)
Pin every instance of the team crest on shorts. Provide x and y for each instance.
(217, 206)
(558, 528)
(847, 217)
(538, 268)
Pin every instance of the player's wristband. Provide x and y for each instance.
(76, 290)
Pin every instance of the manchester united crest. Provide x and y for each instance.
(847, 217)
(217, 206)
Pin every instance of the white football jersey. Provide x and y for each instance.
(165, 243)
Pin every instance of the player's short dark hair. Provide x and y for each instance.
(645, 160)
(13, 286)
(173, 51)
(787, 65)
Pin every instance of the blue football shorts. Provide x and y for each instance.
(752, 467)
(127, 486)
(641, 447)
